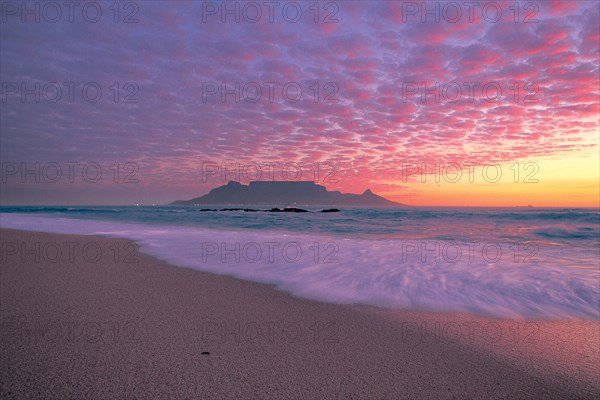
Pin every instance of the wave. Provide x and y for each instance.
(496, 279)
(565, 233)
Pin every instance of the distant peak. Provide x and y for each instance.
(368, 191)
(233, 183)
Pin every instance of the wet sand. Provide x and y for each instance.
(88, 317)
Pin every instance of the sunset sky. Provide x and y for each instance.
(367, 116)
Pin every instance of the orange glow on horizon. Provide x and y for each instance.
(565, 182)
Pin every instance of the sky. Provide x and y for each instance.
(437, 103)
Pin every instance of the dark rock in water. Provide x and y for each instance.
(204, 353)
(331, 210)
(271, 210)
(236, 209)
(207, 209)
(288, 209)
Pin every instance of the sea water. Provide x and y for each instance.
(504, 262)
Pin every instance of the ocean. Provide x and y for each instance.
(500, 262)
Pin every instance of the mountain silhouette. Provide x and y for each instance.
(284, 192)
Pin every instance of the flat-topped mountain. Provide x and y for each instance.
(284, 192)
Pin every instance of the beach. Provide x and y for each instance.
(90, 317)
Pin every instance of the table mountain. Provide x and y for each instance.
(285, 192)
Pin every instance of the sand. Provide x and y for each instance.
(76, 327)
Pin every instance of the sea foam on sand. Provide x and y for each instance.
(492, 279)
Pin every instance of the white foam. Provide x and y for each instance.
(389, 273)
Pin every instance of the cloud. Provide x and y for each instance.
(352, 108)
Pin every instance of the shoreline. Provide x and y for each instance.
(111, 328)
